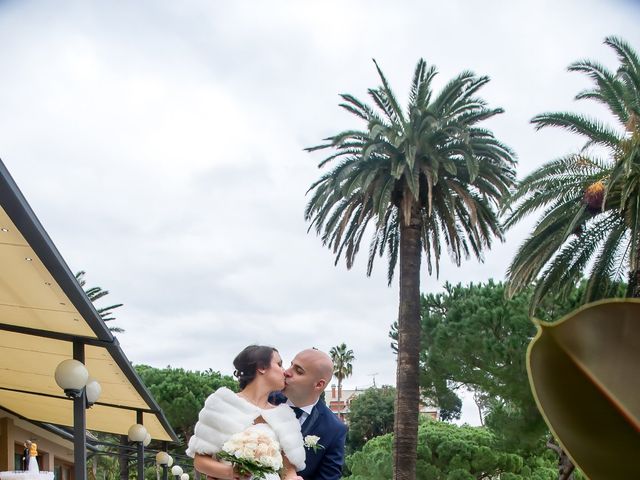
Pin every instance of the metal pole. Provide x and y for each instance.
(123, 459)
(140, 450)
(165, 468)
(79, 424)
(140, 447)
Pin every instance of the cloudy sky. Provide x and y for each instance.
(161, 145)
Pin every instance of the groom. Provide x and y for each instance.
(305, 380)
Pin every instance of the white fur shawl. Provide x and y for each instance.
(225, 413)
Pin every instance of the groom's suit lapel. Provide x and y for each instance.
(311, 421)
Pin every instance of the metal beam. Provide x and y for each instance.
(60, 397)
(66, 337)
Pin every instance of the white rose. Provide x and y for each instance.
(251, 445)
(311, 441)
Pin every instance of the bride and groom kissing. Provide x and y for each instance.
(285, 406)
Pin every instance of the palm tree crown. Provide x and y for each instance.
(591, 216)
(342, 366)
(96, 293)
(433, 158)
(423, 177)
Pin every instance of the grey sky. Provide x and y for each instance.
(160, 144)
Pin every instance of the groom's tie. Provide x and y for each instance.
(297, 411)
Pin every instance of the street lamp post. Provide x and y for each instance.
(163, 459)
(138, 434)
(176, 471)
(72, 376)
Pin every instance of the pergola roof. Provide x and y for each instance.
(43, 312)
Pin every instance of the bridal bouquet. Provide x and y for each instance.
(253, 452)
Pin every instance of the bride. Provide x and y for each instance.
(225, 413)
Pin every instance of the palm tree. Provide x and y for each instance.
(95, 294)
(591, 199)
(342, 367)
(428, 178)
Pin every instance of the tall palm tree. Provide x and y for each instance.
(428, 178)
(591, 199)
(95, 294)
(342, 366)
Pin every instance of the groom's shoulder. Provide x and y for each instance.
(331, 418)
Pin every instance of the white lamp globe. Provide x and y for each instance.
(176, 470)
(184, 476)
(162, 458)
(147, 440)
(170, 462)
(71, 375)
(137, 433)
(93, 391)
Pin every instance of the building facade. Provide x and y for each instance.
(339, 401)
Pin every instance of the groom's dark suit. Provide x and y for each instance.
(325, 463)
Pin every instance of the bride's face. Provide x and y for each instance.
(274, 375)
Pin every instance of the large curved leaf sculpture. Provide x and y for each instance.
(584, 372)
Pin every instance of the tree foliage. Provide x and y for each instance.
(181, 393)
(475, 337)
(590, 200)
(370, 415)
(450, 452)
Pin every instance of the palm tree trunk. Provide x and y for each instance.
(405, 439)
(339, 388)
(633, 287)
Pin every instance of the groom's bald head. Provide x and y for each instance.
(307, 377)
(320, 362)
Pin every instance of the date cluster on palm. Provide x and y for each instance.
(584, 372)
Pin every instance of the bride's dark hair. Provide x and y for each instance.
(250, 360)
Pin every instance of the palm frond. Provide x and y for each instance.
(594, 130)
(392, 107)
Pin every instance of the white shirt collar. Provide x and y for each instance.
(306, 409)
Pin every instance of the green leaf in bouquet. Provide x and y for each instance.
(246, 466)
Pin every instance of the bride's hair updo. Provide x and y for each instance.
(249, 361)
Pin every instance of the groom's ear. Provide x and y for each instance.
(321, 384)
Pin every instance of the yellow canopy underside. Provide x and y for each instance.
(31, 298)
